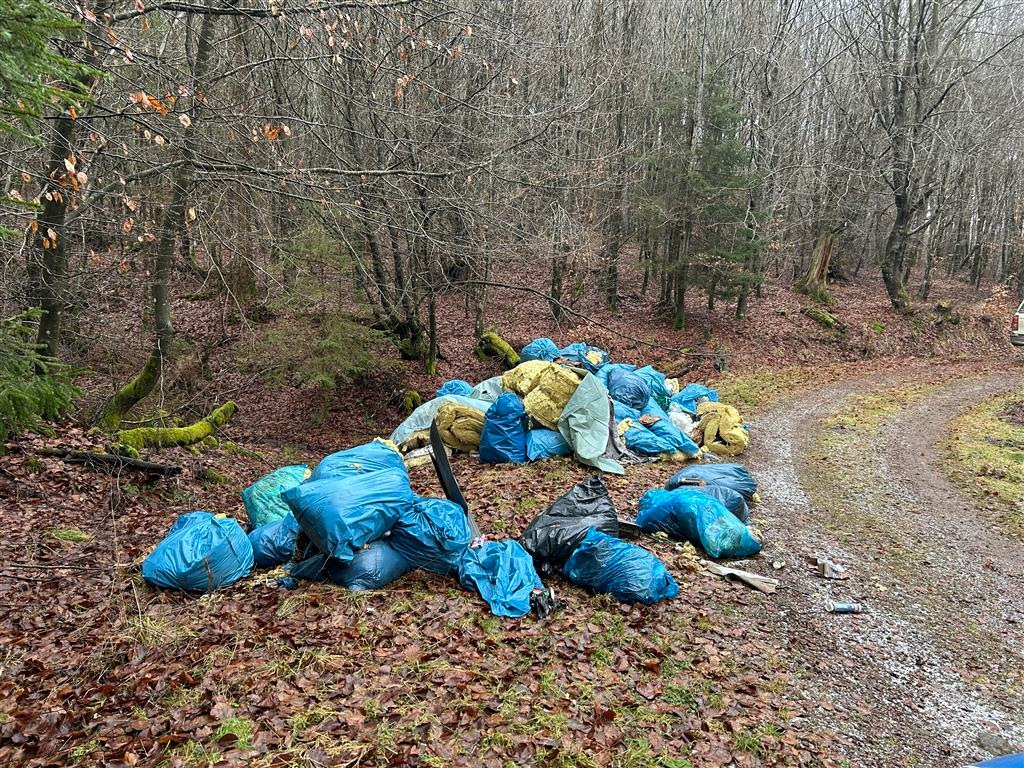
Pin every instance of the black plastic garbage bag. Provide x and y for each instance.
(733, 476)
(556, 532)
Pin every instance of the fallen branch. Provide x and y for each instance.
(164, 437)
(109, 459)
(492, 344)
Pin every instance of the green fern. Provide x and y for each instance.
(33, 387)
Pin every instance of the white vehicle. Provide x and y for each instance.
(1017, 327)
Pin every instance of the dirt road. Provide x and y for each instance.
(932, 674)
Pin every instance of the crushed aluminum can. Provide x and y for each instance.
(834, 607)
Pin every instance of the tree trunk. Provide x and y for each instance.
(815, 282)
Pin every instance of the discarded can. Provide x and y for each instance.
(833, 607)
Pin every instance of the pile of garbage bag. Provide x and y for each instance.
(356, 522)
(564, 401)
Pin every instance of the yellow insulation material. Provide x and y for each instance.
(546, 401)
(460, 426)
(524, 376)
(723, 430)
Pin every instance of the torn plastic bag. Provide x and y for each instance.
(374, 456)
(629, 573)
(433, 534)
(488, 390)
(664, 428)
(503, 573)
(692, 516)
(341, 515)
(503, 437)
(546, 444)
(556, 532)
(586, 425)
(455, 387)
(662, 436)
(727, 497)
(262, 499)
(656, 381)
(539, 349)
(274, 543)
(733, 476)
(692, 395)
(628, 388)
(420, 419)
(584, 355)
(202, 552)
(374, 566)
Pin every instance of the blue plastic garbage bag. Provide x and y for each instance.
(503, 573)
(629, 573)
(341, 515)
(539, 349)
(202, 552)
(733, 476)
(433, 534)
(607, 370)
(374, 456)
(374, 566)
(667, 431)
(455, 387)
(274, 543)
(546, 444)
(503, 437)
(656, 381)
(661, 437)
(628, 388)
(1006, 761)
(695, 517)
(262, 499)
(585, 356)
(687, 397)
(727, 497)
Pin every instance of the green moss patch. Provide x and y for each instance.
(865, 413)
(986, 457)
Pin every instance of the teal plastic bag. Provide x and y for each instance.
(698, 518)
(630, 574)
(202, 552)
(262, 499)
(341, 515)
(503, 573)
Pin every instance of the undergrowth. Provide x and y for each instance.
(764, 388)
(986, 448)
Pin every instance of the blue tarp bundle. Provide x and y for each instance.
(695, 517)
(274, 543)
(455, 387)
(503, 437)
(341, 515)
(581, 354)
(374, 456)
(629, 573)
(262, 499)
(546, 444)
(487, 390)
(433, 534)
(374, 566)
(539, 349)
(688, 396)
(503, 573)
(202, 552)
(733, 476)
(628, 388)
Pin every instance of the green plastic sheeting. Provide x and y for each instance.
(585, 424)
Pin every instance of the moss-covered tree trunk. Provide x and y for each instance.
(815, 282)
(134, 440)
(172, 225)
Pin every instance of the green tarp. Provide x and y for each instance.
(586, 423)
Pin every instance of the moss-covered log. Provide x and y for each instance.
(163, 437)
(127, 396)
(492, 344)
(825, 318)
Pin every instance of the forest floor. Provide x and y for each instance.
(866, 457)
